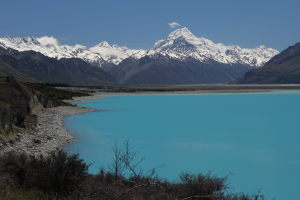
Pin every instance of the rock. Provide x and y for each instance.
(19, 102)
(47, 137)
(37, 141)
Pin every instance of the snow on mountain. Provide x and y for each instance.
(50, 46)
(180, 44)
(114, 53)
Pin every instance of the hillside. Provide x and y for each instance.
(18, 104)
(283, 68)
(31, 66)
(165, 70)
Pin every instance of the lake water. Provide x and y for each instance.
(253, 138)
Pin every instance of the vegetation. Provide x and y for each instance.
(18, 105)
(64, 177)
(190, 88)
(59, 94)
(8, 192)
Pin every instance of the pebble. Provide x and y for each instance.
(50, 134)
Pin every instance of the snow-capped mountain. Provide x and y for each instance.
(179, 44)
(182, 43)
(49, 46)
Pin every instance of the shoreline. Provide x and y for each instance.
(99, 94)
(186, 92)
(84, 99)
(49, 134)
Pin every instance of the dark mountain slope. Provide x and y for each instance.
(283, 68)
(7, 70)
(37, 67)
(165, 70)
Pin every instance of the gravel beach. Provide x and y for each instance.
(48, 135)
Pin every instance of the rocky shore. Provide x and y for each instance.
(48, 135)
(84, 99)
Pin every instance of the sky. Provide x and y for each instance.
(140, 23)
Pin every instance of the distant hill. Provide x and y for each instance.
(283, 68)
(31, 66)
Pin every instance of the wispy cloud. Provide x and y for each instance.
(174, 24)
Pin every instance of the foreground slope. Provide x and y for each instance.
(283, 68)
(18, 102)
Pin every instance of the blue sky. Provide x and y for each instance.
(139, 23)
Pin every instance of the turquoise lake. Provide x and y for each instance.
(253, 138)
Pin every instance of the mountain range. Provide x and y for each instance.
(180, 58)
(31, 66)
(281, 69)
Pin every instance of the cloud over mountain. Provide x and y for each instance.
(174, 25)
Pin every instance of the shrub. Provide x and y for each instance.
(65, 177)
(58, 174)
(198, 184)
(7, 192)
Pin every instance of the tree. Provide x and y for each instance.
(117, 165)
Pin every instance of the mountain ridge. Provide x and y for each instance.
(179, 44)
(31, 66)
(163, 70)
(283, 68)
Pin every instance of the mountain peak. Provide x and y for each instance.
(18, 40)
(181, 32)
(175, 38)
(104, 44)
(181, 44)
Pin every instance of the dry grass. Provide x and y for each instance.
(7, 192)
